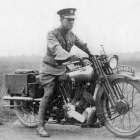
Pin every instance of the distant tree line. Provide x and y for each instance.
(11, 63)
(130, 59)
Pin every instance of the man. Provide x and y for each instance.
(59, 44)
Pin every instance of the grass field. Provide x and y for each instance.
(6, 114)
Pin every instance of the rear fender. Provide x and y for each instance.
(99, 90)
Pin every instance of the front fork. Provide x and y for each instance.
(109, 92)
(112, 92)
(103, 81)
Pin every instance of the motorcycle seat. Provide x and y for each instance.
(27, 71)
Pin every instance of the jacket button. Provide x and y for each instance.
(68, 41)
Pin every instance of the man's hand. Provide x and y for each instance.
(73, 58)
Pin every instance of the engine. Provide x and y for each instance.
(73, 99)
(81, 104)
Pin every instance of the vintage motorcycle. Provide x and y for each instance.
(98, 93)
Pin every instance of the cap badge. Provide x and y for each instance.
(71, 11)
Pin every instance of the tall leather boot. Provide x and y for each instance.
(48, 91)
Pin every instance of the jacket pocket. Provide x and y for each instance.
(62, 43)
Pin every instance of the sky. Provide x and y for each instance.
(24, 24)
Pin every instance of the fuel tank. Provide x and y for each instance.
(82, 74)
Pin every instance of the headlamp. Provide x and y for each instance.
(113, 62)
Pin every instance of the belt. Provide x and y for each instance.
(52, 65)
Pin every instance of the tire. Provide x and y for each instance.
(26, 113)
(124, 125)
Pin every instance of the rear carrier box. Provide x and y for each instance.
(20, 83)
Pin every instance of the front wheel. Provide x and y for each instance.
(26, 113)
(123, 120)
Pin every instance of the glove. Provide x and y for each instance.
(86, 62)
(73, 58)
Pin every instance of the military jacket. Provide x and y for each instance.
(59, 44)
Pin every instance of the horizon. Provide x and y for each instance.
(39, 55)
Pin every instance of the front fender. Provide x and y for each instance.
(99, 90)
(122, 76)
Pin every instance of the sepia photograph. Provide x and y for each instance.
(69, 69)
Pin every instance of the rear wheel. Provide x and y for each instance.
(27, 113)
(123, 120)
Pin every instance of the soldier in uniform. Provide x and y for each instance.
(59, 44)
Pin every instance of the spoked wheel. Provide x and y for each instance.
(123, 119)
(26, 113)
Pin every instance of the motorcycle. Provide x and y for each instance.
(101, 92)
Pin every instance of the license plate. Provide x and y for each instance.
(126, 69)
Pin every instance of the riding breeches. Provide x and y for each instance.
(48, 92)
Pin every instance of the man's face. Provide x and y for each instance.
(68, 23)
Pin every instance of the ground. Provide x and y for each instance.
(16, 131)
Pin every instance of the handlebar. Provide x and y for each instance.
(68, 62)
(80, 62)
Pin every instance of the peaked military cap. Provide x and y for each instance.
(67, 13)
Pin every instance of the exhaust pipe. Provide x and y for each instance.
(15, 98)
